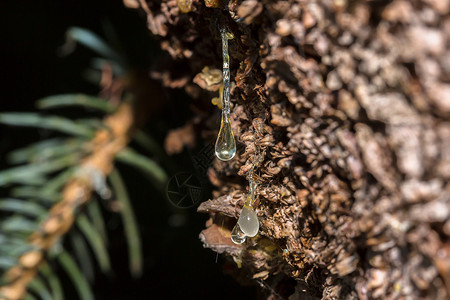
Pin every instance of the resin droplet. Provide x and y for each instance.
(248, 221)
(237, 235)
(225, 144)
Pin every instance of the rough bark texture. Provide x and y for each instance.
(349, 102)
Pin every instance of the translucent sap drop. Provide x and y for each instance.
(225, 144)
(248, 221)
(237, 235)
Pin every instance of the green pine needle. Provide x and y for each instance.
(79, 281)
(47, 122)
(95, 241)
(83, 100)
(130, 225)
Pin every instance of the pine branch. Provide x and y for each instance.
(76, 193)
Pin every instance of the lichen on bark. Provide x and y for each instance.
(349, 104)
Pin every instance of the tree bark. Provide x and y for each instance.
(349, 104)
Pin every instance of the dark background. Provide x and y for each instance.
(175, 263)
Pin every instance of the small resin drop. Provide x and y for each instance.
(225, 144)
(248, 221)
(237, 235)
(184, 6)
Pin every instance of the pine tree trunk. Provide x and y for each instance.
(349, 104)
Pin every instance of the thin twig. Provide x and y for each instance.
(76, 193)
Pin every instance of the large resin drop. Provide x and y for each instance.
(237, 235)
(225, 143)
(248, 221)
